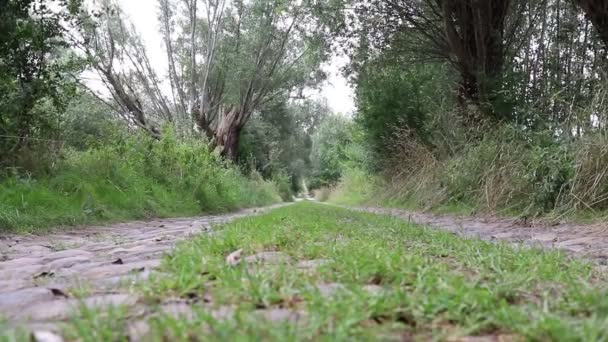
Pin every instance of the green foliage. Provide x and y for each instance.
(330, 151)
(392, 96)
(277, 141)
(34, 63)
(284, 187)
(136, 177)
(87, 123)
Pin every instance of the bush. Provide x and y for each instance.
(283, 184)
(510, 171)
(135, 178)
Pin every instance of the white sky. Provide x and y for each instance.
(143, 14)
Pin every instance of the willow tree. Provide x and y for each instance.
(236, 57)
(473, 36)
(118, 55)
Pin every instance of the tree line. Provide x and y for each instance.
(548, 55)
(72, 72)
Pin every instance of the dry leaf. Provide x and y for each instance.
(234, 258)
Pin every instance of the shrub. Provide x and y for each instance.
(133, 178)
(283, 184)
(509, 170)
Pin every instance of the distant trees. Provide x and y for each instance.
(279, 138)
(330, 151)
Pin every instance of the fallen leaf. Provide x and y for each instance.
(234, 258)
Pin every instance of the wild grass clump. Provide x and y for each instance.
(133, 178)
(589, 184)
(508, 170)
(512, 171)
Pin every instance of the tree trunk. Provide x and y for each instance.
(228, 133)
(229, 147)
(474, 31)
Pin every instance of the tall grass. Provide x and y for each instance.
(508, 171)
(133, 178)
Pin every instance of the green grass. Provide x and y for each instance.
(435, 285)
(131, 179)
(509, 172)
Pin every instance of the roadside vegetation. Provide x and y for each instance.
(508, 126)
(468, 106)
(340, 275)
(90, 132)
(132, 178)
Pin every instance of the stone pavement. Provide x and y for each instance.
(580, 240)
(39, 275)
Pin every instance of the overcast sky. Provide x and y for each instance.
(143, 14)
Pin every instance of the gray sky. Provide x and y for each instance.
(143, 14)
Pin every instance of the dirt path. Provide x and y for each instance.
(40, 275)
(588, 241)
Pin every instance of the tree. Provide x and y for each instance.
(267, 49)
(34, 69)
(119, 57)
(472, 36)
(330, 151)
